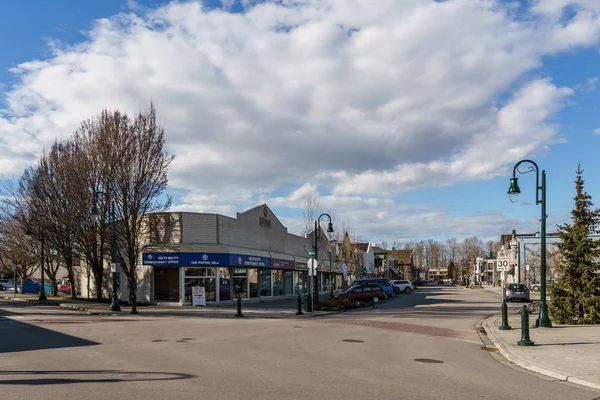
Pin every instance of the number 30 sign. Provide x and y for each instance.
(503, 264)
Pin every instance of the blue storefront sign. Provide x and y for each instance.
(205, 259)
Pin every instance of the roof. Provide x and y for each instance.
(404, 256)
(364, 247)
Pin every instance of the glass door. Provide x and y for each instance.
(166, 284)
(240, 282)
(254, 282)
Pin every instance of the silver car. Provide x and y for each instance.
(516, 291)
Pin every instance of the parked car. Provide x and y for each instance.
(64, 286)
(419, 282)
(384, 283)
(5, 284)
(440, 282)
(402, 286)
(363, 292)
(516, 291)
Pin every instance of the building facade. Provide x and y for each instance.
(251, 256)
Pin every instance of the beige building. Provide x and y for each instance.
(251, 256)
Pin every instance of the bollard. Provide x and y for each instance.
(525, 340)
(505, 326)
(239, 307)
(309, 303)
(299, 312)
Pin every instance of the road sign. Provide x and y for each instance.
(503, 264)
(113, 267)
(312, 265)
(311, 253)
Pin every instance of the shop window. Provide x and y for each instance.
(265, 283)
(224, 284)
(209, 284)
(278, 283)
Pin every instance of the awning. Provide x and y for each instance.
(282, 261)
(193, 254)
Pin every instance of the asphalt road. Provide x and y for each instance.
(47, 352)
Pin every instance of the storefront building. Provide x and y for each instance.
(251, 256)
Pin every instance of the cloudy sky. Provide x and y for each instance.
(405, 116)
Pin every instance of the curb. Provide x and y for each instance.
(506, 353)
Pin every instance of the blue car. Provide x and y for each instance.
(384, 283)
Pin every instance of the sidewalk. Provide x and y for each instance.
(285, 308)
(564, 352)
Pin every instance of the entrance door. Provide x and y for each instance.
(239, 277)
(166, 284)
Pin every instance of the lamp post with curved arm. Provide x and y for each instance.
(114, 306)
(316, 249)
(543, 319)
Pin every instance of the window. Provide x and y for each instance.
(358, 289)
(200, 272)
(278, 283)
(367, 289)
(209, 284)
(265, 282)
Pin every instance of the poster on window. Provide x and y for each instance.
(198, 296)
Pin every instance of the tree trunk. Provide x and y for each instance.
(71, 275)
(98, 276)
(133, 293)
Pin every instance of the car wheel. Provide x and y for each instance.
(375, 299)
(407, 290)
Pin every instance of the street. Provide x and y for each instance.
(50, 352)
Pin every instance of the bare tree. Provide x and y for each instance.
(138, 176)
(311, 211)
(15, 248)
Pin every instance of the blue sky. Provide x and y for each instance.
(354, 184)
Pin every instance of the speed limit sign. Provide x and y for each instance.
(503, 264)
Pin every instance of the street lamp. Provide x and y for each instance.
(29, 232)
(95, 216)
(316, 249)
(540, 198)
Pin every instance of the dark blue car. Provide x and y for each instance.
(384, 283)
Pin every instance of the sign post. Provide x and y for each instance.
(503, 267)
(312, 272)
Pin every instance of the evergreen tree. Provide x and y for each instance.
(574, 298)
(451, 270)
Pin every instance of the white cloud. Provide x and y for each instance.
(362, 102)
(597, 131)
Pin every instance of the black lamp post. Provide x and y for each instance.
(114, 306)
(28, 232)
(316, 249)
(543, 319)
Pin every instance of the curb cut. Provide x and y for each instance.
(506, 353)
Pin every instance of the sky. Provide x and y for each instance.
(406, 118)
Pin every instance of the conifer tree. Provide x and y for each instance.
(574, 297)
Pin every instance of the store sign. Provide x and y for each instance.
(205, 259)
(240, 260)
(283, 264)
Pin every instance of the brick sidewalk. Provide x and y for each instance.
(564, 352)
(285, 308)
